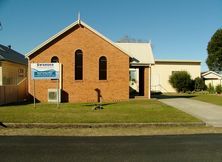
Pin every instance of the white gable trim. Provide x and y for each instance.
(217, 76)
(68, 28)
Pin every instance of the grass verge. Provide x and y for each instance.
(109, 131)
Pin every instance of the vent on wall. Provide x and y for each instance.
(54, 95)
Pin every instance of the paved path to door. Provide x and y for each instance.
(209, 113)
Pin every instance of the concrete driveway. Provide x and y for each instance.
(209, 113)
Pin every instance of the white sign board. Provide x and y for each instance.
(45, 70)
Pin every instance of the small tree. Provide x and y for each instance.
(218, 89)
(199, 84)
(181, 81)
(214, 49)
(128, 39)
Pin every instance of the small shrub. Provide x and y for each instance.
(202, 92)
(191, 85)
(181, 81)
(199, 84)
(189, 92)
(211, 89)
(218, 89)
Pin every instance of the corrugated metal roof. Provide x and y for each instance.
(140, 52)
(8, 54)
(1, 49)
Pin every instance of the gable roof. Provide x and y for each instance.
(211, 75)
(140, 52)
(78, 22)
(8, 54)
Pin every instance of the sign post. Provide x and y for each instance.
(41, 71)
(34, 94)
(58, 93)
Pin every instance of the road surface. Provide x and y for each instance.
(140, 148)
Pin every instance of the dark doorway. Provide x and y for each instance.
(141, 81)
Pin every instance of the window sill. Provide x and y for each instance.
(79, 81)
(103, 80)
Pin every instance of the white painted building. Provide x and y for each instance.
(163, 69)
(142, 55)
(211, 77)
(13, 66)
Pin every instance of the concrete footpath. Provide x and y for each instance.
(209, 113)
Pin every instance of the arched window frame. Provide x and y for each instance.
(102, 68)
(78, 65)
(54, 59)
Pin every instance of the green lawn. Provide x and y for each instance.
(210, 98)
(214, 99)
(134, 111)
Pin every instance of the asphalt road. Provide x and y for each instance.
(141, 148)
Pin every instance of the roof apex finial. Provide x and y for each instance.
(79, 16)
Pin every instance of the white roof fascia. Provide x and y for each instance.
(105, 38)
(80, 22)
(52, 38)
(140, 64)
(182, 61)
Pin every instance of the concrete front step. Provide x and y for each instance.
(141, 97)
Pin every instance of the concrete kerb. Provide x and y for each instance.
(99, 125)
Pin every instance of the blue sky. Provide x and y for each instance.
(178, 29)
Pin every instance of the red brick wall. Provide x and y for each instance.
(116, 87)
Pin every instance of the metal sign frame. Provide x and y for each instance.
(43, 71)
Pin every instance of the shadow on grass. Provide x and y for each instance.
(95, 104)
(17, 104)
(163, 96)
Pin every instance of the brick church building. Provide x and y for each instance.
(92, 66)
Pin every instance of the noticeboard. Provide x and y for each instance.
(45, 70)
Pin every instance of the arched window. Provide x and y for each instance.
(78, 65)
(54, 59)
(102, 68)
